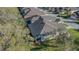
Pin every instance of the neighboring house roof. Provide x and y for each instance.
(74, 9)
(31, 11)
(75, 15)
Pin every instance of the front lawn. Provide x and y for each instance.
(75, 37)
(74, 33)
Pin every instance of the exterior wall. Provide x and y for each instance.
(43, 38)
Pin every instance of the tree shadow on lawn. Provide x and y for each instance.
(76, 30)
(42, 46)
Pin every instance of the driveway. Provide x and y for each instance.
(69, 22)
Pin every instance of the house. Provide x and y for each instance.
(75, 15)
(41, 25)
(44, 27)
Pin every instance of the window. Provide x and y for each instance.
(29, 22)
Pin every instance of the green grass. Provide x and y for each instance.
(64, 14)
(13, 33)
(75, 38)
(74, 33)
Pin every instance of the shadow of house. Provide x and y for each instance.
(36, 26)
